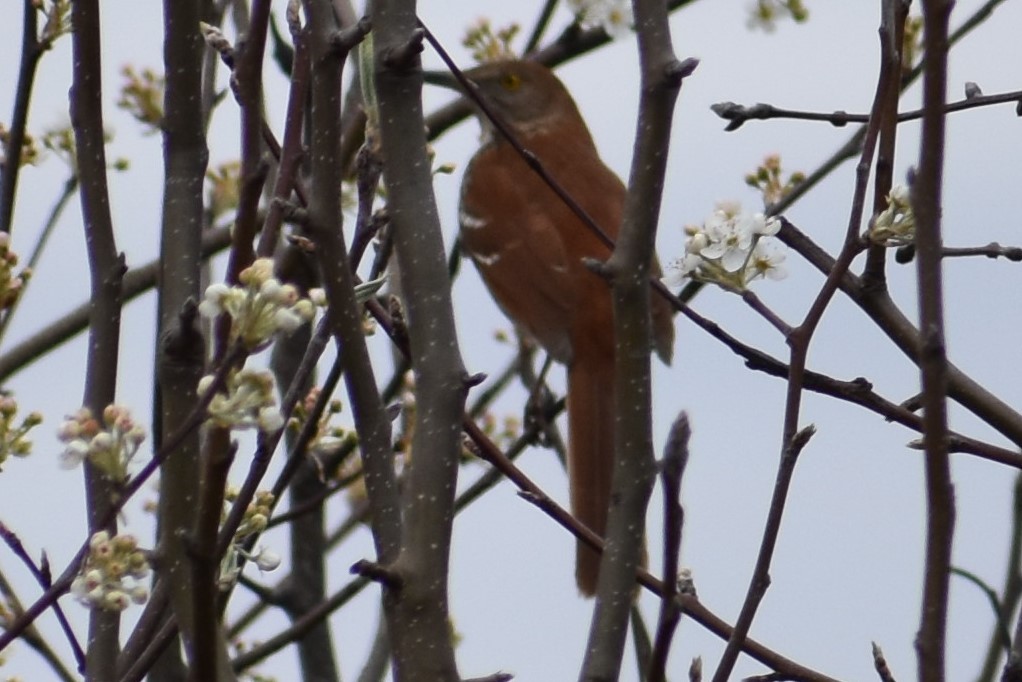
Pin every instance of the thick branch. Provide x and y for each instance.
(181, 356)
(106, 269)
(933, 365)
(629, 268)
(418, 614)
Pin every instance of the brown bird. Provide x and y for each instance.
(529, 248)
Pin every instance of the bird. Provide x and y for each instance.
(530, 250)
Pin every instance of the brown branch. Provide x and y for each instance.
(799, 340)
(291, 151)
(418, 617)
(629, 267)
(137, 281)
(61, 585)
(35, 640)
(66, 194)
(880, 664)
(854, 143)
(933, 365)
(991, 250)
(181, 352)
(691, 606)
(31, 51)
(299, 627)
(738, 114)
(1011, 592)
(42, 576)
(106, 268)
(876, 255)
(672, 469)
(892, 322)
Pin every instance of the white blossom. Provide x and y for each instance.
(259, 307)
(731, 249)
(896, 225)
(613, 16)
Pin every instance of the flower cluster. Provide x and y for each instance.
(896, 225)
(58, 20)
(254, 521)
(222, 194)
(260, 307)
(502, 430)
(769, 180)
(912, 45)
(731, 250)
(490, 46)
(109, 446)
(112, 575)
(613, 16)
(12, 436)
(248, 401)
(764, 13)
(328, 438)
(142, 96)
(30, 153)
(257, 514)
(11, 284)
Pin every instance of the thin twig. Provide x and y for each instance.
(1011, 593)
(799, 340)
(66, 194)
(671, 471)
(45, 581)
(737, 114)
(31, 51)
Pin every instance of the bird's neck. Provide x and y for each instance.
(561, 131)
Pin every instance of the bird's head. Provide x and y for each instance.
(526, 95)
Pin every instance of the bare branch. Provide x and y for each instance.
(927, 195)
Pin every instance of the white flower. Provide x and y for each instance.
(271, 289)
(765, 227)
(259, 307)
(116, 600)
(68, 430)
(305, 309)
(896, 225)
(731, 250)
(109, 446)
(101, 442)
(766, 262)
(325, 445)
(74, 453)
(213, 302)
(139, 594)
(696, 243)
(266, 559)
(99, 541)
(728, 207)
(270, 420)
(287, 320)
(614, 16)
(109, 577)
(682, 269)
(730, 238)
(247, 403)
(257, 273)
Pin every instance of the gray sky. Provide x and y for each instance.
(849, 562)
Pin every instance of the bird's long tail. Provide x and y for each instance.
(590, 455)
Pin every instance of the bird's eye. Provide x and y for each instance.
(511, 81)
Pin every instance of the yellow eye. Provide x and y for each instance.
(510, 81)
